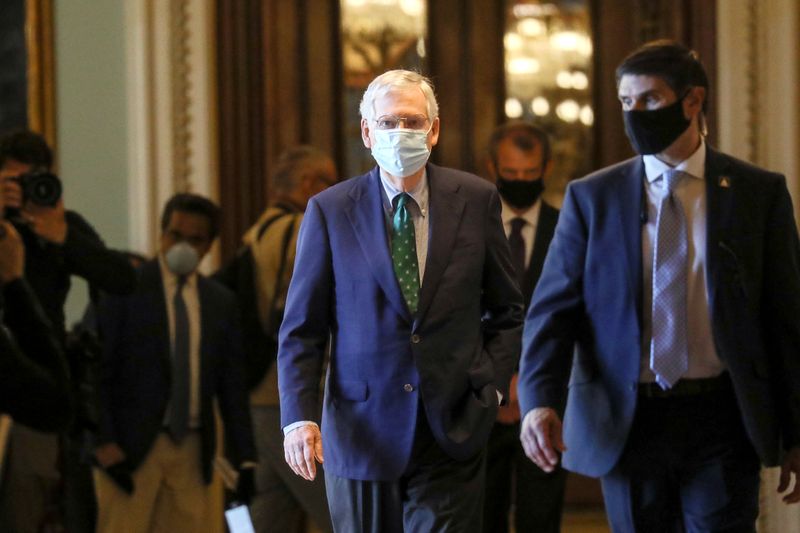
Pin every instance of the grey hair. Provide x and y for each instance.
(394, 80)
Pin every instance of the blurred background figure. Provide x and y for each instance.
(45, 480)
(260, 274)
(170, 350)
(519, 159)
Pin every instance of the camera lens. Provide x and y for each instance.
(41, 188)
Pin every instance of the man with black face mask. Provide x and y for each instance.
(672, 289)
(519, 158)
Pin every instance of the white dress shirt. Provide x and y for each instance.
(531, 218)
(192, 300)
(691, 191)
(418, 209)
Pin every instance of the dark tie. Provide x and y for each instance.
(517, 245)
(179, 402)
(669, 354)
(404, 251)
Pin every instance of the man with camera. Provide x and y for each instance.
(58, 244)
(34, 381)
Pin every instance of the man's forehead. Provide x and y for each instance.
(411, 97)
(635, 84)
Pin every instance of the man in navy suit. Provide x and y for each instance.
(519, 159)
(170, 349)
(676, 276)
(405, 272)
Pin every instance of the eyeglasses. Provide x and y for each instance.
(411, 122)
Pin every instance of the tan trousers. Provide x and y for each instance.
(169, 493)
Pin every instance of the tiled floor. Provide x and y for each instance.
(584, 520)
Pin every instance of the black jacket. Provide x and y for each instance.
(34, 382)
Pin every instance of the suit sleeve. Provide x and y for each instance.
(34, 379)
(86, 256)
(554, 317)
(111, 318)
(232, 393)
(502, 302)
(306, 323)
(782, 309)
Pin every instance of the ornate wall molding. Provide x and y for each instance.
(171, 95)
(758, 72)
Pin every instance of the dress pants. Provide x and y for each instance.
(282, 498)
(169, 494)
(435, 494)
(30, 490)
(539, 495)
(687, 466)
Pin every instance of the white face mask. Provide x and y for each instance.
(401, 151)
(182, 258)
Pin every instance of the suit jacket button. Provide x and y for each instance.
(408, 387)
(415, 338)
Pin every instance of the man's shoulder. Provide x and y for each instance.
(344, 190)
(729, 164)
(466, 181)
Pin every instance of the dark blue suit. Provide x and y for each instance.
(451, 357)
(590, 294)
(136, 368)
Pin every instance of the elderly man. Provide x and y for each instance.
(407, 271)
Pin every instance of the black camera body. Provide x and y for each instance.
(40, 187)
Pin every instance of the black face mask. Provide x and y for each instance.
(652, 131)
(520, 193)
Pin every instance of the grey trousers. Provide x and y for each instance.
(282, 498)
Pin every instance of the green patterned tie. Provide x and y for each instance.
(404, 252)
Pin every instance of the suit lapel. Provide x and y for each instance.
(630, 207)
(207, 321)
(545, 226)
(367, 217)
(446, 208)
(156, 302)
(720, 188)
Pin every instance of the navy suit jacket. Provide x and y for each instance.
(136, 368)
(589, 298)
(453, 354)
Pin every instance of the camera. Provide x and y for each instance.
(40, 187)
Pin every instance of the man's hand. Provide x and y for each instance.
(49, 223)
(791, 464)
(509, 414)
(301, 447)
(12, 192)
(12, 253)
(541, 437)
(109, 454)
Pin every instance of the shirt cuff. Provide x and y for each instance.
(499, 397)
(294, 425)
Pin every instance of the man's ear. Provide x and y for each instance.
(365, 133)
(693, 103)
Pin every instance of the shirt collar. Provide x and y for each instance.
(531, 216)
(170, 279)
(418, 193)
(694, 165)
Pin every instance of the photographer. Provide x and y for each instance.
(34, 382)
(59, 243)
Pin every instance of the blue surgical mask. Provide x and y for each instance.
(182, 258)
(401, 152)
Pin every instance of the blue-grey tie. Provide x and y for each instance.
(179, 400)
(404, 252)
(669, 356)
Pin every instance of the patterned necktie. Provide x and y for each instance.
(517, 245)
(404, 252)
(669, 356)
(179, 403)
